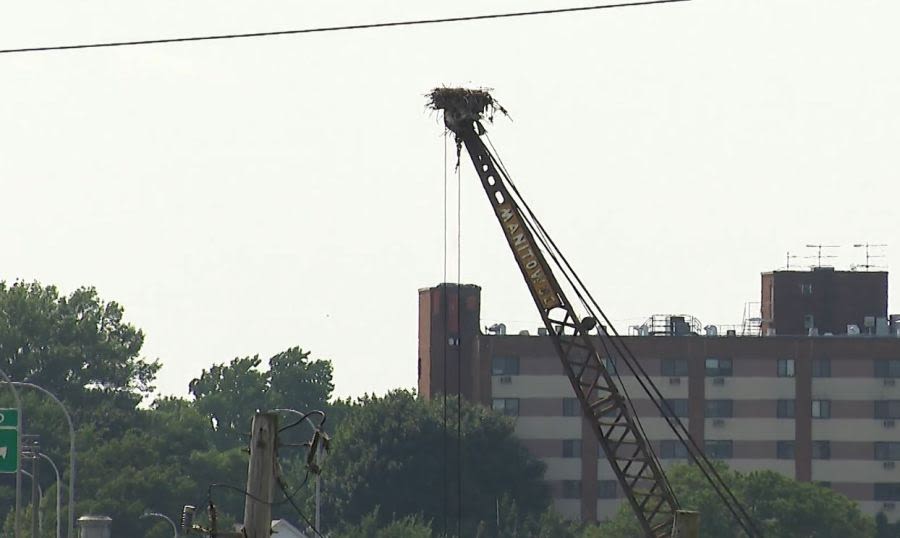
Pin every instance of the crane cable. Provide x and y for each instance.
(540, 233)
(459, 307)
(727, 496)
(444, 345)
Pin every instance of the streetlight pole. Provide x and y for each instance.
(58, 493)
(162, 516)
(36, 509)
(15, 392)
(71, 530)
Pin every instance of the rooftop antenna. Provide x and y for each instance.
(869, 256)
(789, 258)
(819, 253)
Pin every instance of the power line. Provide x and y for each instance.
(323, 29)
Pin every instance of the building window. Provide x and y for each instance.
(821, 409)
(821, 450)
(785, 367)
(506, 406)
(679, 407)
(718, 367)
(606, 489)
(673, 450)
(570, 407)
(719, 450)
(571, 489)
(887, 409)
(887, 368)
(821, 368)
(674, 367)
(785, 450)
(719, 408)
(806, 289)
(786, 409)
(571, 448)
(887, 451)
(505, 366)
(887, 491)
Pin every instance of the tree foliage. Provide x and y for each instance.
(781, 506)
(389, 453)
(229, 394)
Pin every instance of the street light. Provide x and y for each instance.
(36, 509)
(15, 392)
(58, 492)
(71, 530)
(162, 516)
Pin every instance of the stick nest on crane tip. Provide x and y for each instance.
(463, 106)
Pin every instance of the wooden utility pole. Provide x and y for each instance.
(261, 476)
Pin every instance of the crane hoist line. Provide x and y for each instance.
(582, 341)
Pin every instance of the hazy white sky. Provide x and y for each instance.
(245, 196)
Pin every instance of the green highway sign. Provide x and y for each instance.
(9, 418)
(9, 440)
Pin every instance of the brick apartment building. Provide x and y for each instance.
(817, 403)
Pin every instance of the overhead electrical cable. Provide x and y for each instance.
(324, 29)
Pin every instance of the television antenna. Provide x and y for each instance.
(819, 255)
(869, 255)
(790, 257)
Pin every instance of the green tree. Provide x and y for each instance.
(388, 454)
(229, 394)
(77, 346)
(371, 527)
(781, 506)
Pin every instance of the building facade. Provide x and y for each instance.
(815, 408)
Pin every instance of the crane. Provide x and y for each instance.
(582, 341)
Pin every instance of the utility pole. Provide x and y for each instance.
(261, 476)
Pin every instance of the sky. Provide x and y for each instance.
(242, 197)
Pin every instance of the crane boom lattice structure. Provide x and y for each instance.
(586, 347)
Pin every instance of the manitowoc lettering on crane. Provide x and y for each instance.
(529, 260)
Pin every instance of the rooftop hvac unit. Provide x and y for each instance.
(731, 332)
(711, 330)
(853, 330)
(813, 331)
(881, 327)
(542, 331)
(770, 331)
(869, 321)
(524, 332)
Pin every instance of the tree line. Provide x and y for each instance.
(395, 469)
